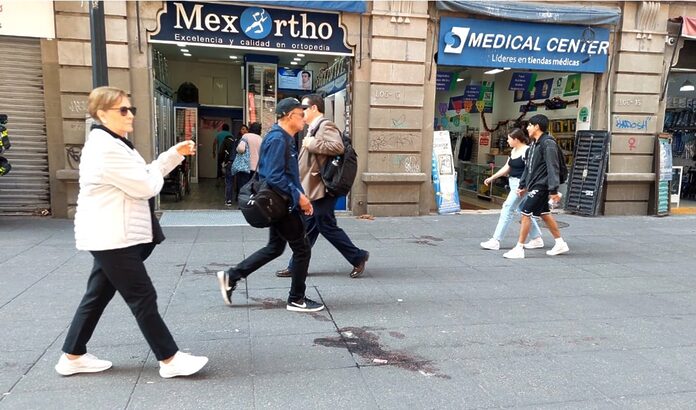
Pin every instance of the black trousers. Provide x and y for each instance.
(323, 221)
(120, 270)
(290, 230)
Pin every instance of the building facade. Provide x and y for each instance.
(391, 103)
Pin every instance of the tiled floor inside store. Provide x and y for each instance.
(206, 194)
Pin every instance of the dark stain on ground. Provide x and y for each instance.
(211, 269)
(427, 240)
(397, 335)
(366, 345)
(431, 238)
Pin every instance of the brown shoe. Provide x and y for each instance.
(284, 273)
(358, 270)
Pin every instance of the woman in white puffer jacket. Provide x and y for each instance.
(115, 222)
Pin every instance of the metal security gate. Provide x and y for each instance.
(586, 180)
(25, 190)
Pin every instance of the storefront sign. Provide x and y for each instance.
(443, 81)
(444, 176)
(472, 92)
(27, 18)
(488, 43)
(251, 28)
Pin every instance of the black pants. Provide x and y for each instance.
(120, 270)
(290, 230)
(323, 221)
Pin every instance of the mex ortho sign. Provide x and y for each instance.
(509, 44)
(256, 28)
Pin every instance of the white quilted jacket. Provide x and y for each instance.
(115, 185)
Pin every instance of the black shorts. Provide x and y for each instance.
(536, 203)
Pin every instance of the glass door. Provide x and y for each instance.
(260, 101)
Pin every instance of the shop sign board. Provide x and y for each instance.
(251, 28)
(511, 44)
(444, 176)
(27, 18)
(522, 81)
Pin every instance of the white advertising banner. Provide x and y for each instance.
(27, 18)
(444, 176)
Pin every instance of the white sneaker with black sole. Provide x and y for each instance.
(305, 305)
(225, 288)
(558, 248)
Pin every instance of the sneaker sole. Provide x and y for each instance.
(533, 246)
(166, 375)
(490, 248)
(77, 371)
(223, 290)
(298, 309)
(557, 253)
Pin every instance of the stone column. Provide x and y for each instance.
(635, 108)
(397, 127)
(68, 103)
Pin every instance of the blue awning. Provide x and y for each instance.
(590, 15)
(344, 6)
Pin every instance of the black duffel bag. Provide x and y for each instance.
(262, 205)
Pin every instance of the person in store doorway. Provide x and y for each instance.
(278, 168)
(514, 167)
(539, 183)
(229, 153)
(322, 142)
(251, 141)
(116, 223)
(217, 151)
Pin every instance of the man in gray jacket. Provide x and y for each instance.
(321, 143)
(539, 182)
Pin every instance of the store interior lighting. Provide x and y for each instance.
(687, 86)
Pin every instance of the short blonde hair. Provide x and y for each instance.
(102, 98)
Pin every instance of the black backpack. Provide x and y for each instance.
(229, 148)
(339, 172)
(562, 166)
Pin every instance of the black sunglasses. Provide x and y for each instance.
(124, 110)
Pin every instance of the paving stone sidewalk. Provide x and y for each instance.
(435, 322)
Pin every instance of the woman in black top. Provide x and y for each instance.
(513, 168)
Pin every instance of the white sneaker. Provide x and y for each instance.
(515, 253)
(492, 244)
(183, 364)
(535, 243)
(86, 363)
(558, 249)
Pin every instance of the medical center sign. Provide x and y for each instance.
(503, 44)
(256, 28)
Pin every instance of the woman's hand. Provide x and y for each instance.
(488, 181)
(186, 148)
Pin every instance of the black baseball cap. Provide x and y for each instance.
(286, 105)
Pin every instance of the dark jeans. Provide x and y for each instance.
(229, 183)
(323, 222)
(120, 270)
(242, 179)
(289, 230)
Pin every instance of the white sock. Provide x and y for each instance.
(519, 245)
(559, 241)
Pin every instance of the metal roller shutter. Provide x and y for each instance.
(25, 190)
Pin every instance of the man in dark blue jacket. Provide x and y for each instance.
(278, 167)
(539, 182)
